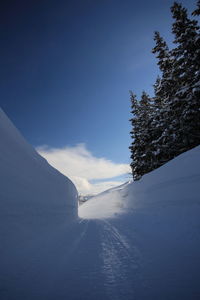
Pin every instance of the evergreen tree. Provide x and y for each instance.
(165, 63)
(186, 37)
(134, 148)
(162, 51)
(157, 98)
(162, 118)
(140, 147)
(185, 103)
(157, 123)
(169, 123)
(145, 113)
(196, 12)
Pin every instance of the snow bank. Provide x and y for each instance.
(175, 183)
(107, 204)
(29, 186)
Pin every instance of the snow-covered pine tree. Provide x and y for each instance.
(196, 12)
(157, 87)
(196, 87)
(162, 117)
(157, 124)
(135, 136)
(185, 102)
(162, 51)
(169, 123)
(146, 137)
(141, 153)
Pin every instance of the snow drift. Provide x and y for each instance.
(175, 183)
(30, 187)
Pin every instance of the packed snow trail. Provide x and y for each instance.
(106, 259)
(88, 260)
(120, 263)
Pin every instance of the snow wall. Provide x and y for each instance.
(29, 187)
(174, 184)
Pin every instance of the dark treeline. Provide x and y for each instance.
(168, 124)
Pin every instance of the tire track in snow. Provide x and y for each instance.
(120, 263)
(99, 260)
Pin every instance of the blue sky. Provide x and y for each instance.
(67, 68)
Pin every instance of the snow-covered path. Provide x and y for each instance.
(90, 259)
(120, 262)
(115, 258)
(117, 262)
(122, 258)
(100, 264)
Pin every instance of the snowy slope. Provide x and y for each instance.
(175, 183)
(106, 204)
(139, 241)
(29, 185)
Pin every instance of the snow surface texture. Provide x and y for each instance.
(138, 241)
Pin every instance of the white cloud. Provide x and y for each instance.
(81, 166)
